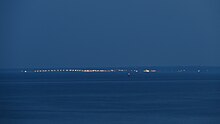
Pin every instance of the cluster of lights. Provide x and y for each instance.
(182, 70)
(148, 70)
(122, 70)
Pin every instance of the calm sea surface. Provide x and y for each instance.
(110, 102)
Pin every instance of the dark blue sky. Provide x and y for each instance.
(82, 33)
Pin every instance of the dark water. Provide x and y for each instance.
(110, 102)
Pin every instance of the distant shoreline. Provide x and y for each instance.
(147, 69)
(121, 76)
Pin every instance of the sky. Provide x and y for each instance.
(101, 33)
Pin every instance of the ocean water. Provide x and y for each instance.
(110, 102)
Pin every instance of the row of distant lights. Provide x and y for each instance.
(82, 70)
(79, 70)
(185, 70)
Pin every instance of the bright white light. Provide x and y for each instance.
(146, 70)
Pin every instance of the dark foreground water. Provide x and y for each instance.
(110, 102)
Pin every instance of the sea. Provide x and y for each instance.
(109, 99)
